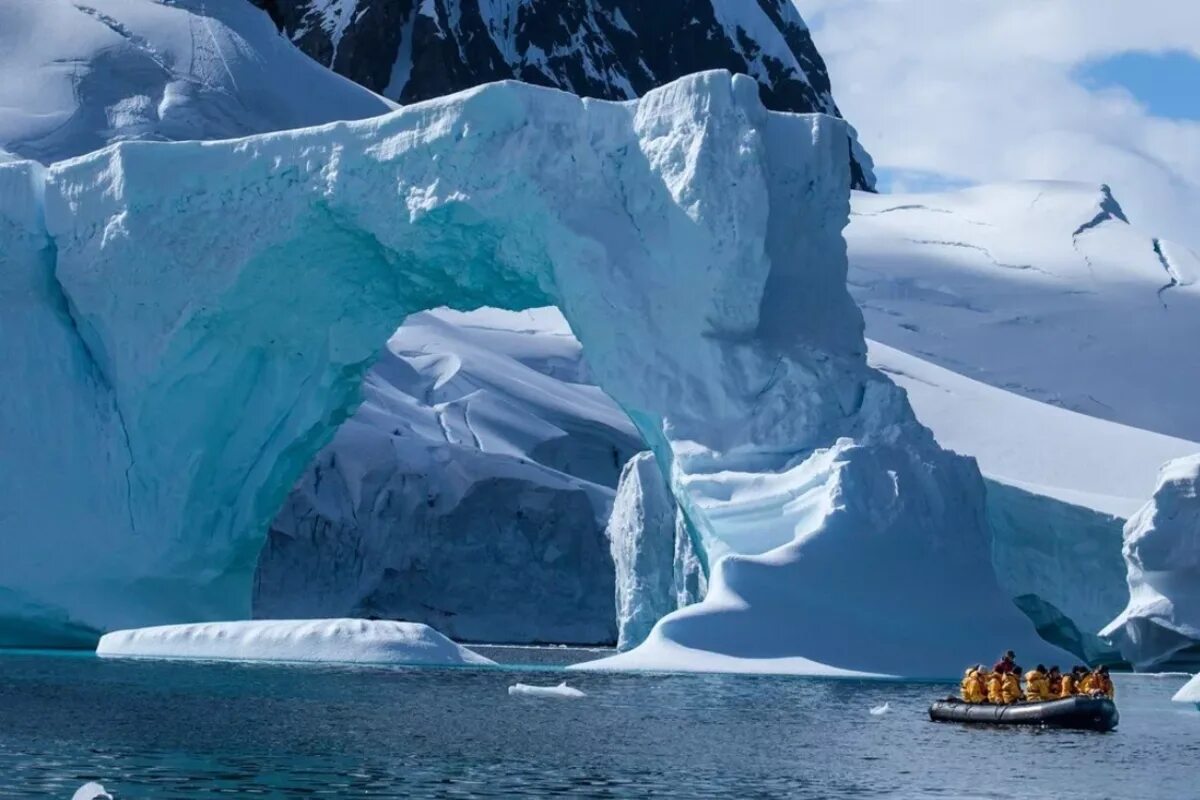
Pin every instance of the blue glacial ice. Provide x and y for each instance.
(210, 309)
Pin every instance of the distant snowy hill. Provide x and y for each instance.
(1042, 289)
(470, 491)
(410, 50)
(78, 76)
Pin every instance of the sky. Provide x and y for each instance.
(948, 93)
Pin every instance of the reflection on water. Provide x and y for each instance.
(178, 730)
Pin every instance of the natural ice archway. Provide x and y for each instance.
(221, 301)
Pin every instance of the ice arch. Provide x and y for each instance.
(217, 304)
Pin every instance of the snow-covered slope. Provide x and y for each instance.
(469, 491)
(231, 296)
(78, 75)
(1042, 289)
(348, 641)
(1060, 486)
(411, 50)
(1160, 628)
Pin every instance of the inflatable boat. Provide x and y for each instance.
(1081, 713)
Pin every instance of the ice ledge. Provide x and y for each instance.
(345, 641)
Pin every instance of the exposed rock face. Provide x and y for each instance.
(412, 50)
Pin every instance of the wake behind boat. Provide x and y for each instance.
(1079, 713)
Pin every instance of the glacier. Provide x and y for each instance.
(221, 303)
(469, 491)
(79, 76)
(1160, 628)
(958, 290)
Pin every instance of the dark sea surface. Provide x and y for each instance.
(161, 729)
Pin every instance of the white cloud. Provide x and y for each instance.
(984, 90)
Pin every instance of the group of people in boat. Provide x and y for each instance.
(1006, 683)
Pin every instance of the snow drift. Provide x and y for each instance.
(350, 641)
(78, 76)
(1160, 628)
(221, 302)
(469, 491)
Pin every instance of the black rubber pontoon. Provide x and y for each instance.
(1081, 713)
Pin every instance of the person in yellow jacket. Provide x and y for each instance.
(974, 688)
(1104, 683)
(1010, 687)
(995, 688)
(1068, 683)
(1037, 685)
(1086, 683)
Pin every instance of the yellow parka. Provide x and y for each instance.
(1011, 689)
(1105, 685)
(1088, 684)
(973, 688)
(995, 689)
(1068, 685)
(1037, 687)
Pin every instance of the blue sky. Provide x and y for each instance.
(1168, 84)
(946, 93)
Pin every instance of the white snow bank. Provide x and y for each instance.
(561, 691)
(349, 641)
(79, 76)
(1190, 693)
(1160, 628)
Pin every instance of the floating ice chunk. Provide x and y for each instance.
(1190, 693)
(879, 711)
(91, 791)
(561, 691)
(355, 641)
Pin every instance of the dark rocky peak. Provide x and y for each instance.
(412, 50)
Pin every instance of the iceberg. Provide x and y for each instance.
(1160, 627)
(1190, 693)
(227, 298)
(348, 641)
(469, 490)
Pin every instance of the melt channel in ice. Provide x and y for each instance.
(349, 641)
(216, 305)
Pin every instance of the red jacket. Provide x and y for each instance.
(1003, 667)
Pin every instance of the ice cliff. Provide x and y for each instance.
(469, 491)
(221, 302)
(1160, 628)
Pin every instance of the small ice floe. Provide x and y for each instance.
(560, 691)
(352, 641)
(1189, 693)
(879, 711)
(91, 791)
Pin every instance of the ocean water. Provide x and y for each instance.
(157, 729)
